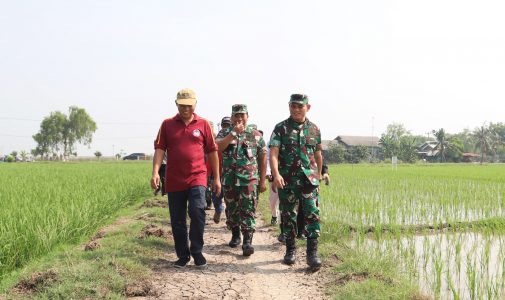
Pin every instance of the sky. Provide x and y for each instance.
(364, 64)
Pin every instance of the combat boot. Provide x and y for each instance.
(313, 259)
(235, 237)
(247, 248)
(290, 256)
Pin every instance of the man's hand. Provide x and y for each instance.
(216, 187)
(278, 183)
(263, 186)
(155, 181)
(239, 128)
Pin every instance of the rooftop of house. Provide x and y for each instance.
(352, 140)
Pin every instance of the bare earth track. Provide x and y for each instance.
(229, 275)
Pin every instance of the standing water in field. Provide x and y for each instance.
(448, 265)
(434, 219)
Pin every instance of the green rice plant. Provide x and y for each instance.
(430, 218)
(413, 195)
(452, 288)
(471, 274)
(48, 204)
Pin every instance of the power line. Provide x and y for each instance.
(19, 119)
(18, 136)
(98, 122)
(99, 139)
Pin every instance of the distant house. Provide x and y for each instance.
(326, 144)
(349, 141)
(470, 157)
(428, 150)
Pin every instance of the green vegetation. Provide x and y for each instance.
(386, 232)
(59, 133)
(120, 266)
(443, 225)
(49, 204)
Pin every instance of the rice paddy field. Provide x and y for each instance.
(44, 205)
(444, 224)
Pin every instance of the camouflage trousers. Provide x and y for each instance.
(289, 199)
(241, 205)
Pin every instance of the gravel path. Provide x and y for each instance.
(229, 275)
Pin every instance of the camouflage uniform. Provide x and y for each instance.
(240, 177)
(297, 144)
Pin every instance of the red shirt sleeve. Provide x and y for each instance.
(160, 142)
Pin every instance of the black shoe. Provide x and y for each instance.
(235, 237)
(281, 238)
(273, 221)
(313, 259)
(182, 262)
(217, 217)
(247, 248)
(199, 260)
(290, 256)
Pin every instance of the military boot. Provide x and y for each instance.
(313, 259)
(290, 256)
(247, 248)
(235, 237)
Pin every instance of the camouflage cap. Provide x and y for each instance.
(299, 98)
(226, 120)
(186, 97)
(238, 109)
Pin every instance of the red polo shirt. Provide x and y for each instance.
(186, 147)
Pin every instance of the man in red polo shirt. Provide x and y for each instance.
(186, 138)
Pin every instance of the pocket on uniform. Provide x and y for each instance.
(310, 141)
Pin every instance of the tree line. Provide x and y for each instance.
(487, 140)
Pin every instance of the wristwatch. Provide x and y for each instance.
(233, 133)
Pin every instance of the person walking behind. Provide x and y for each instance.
(161, 172)
(326, 174)
(217, 199)
(296, 161)
(186, 138)
(244, 155)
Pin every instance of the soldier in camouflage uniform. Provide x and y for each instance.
(295, 162)
(244, 156)
(210, 180)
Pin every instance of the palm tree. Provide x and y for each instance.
(442, 143)
(482, 136)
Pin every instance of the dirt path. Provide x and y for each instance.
(229, 275)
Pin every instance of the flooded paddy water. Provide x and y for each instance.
(463, 265)
(444, 224)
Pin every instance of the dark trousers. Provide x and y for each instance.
(180, 204)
